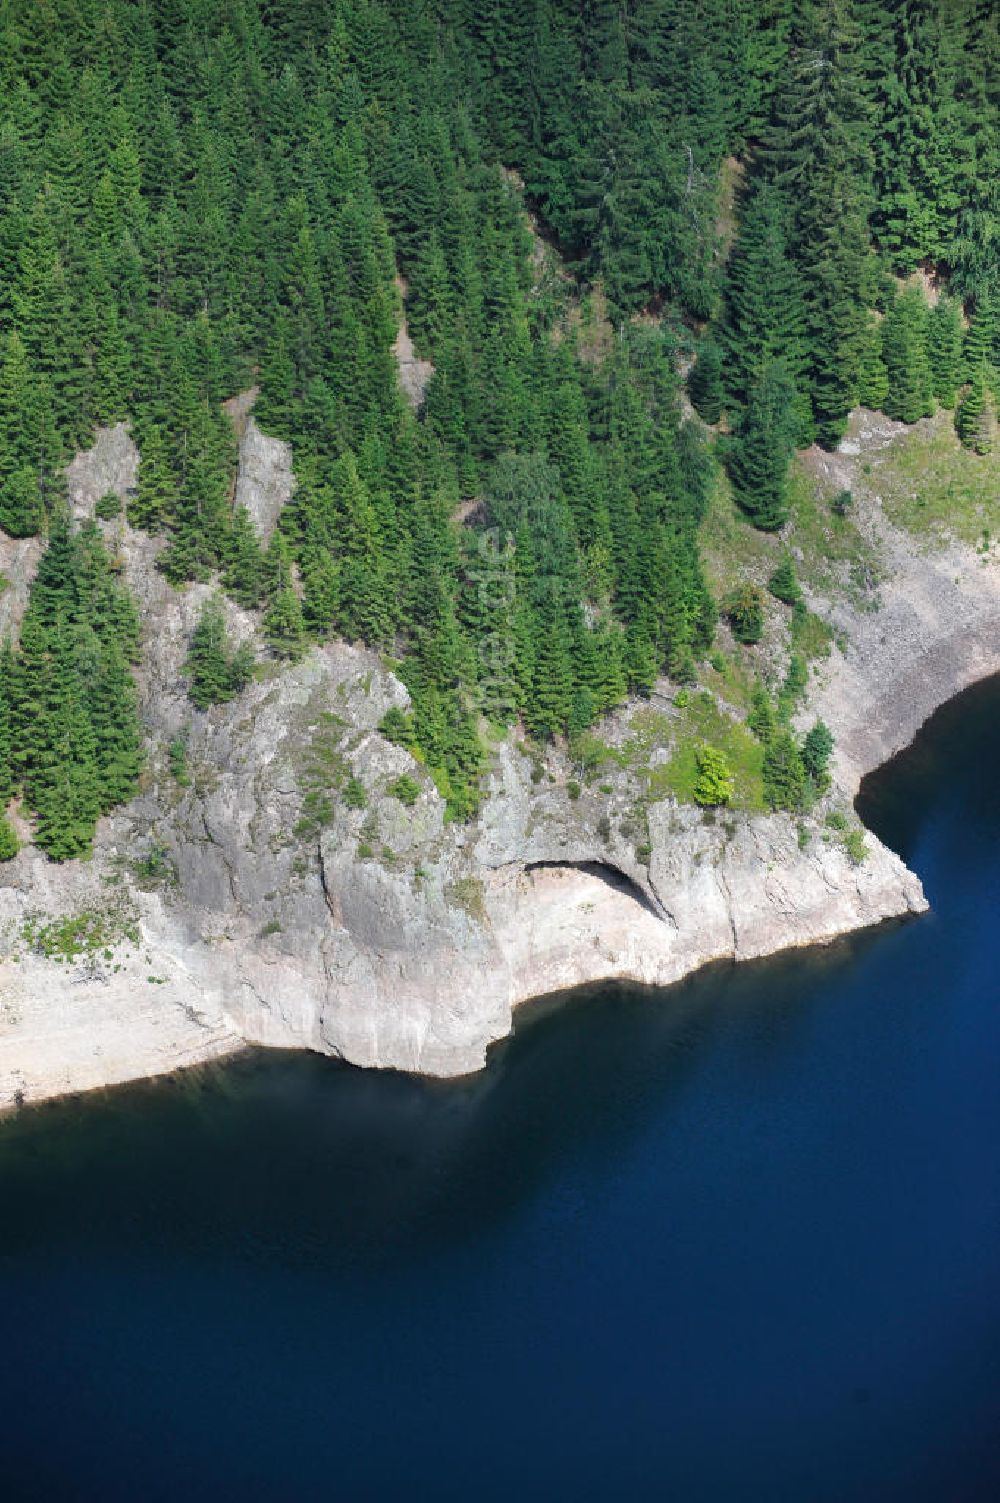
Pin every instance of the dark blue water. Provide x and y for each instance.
(738, 1240)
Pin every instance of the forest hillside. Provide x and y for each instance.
(639, 257)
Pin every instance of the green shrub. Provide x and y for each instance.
(156, 868)
(396, 726)
(109, 507)
(355, 795)
(795, 685)
(177, 761)
(9, 846)
(714, 785)
(762, 718)
(783, 584)
(854, 845)
(745, 610)
(406, 789)
(573, 789)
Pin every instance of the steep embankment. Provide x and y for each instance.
(213, 912)
(936, 628)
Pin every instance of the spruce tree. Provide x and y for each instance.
(209, 658)
(705, 382)
(905, 347)
(784, 773)
(155, 504)
(761, 451)
(765, 312)
(284, 627)
(975, 420)
(944, 349)
(873, 378)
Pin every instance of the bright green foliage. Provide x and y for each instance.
(975, 420)
(873, 378)
(177, 762)
(7, 780)
(981, 346)
(762, 719)
(108, 507)
(396, 726)
(765, 311)
(922, 150)
(355, 793)
(156, 497)
(243, 573)
(715, 784)
(283, 625)
(794, 687)
(406, 789)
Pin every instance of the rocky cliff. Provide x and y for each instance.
(236, 907)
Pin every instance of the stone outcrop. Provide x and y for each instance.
(936, 629)
(265, 478)
(248, 905)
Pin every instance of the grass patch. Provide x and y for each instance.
(321, 775)
(730, 678)
(468, 893)
(730, 546)
(87, 934)
(704, 722)
(836, 559)
(811, 635)
(930, 484)
(650, 729)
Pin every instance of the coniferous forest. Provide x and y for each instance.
(200, 196)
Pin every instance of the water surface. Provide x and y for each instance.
(736, 1240)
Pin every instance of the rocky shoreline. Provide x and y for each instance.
(222, 921)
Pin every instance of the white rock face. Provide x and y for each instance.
(111, 465)
(936, 631)
(383, 934)
(265, 479)
(414, 374)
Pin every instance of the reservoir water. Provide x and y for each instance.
(737, 1240)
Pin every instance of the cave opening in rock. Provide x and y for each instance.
(612, 876)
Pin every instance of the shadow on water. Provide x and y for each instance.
(413, 1164)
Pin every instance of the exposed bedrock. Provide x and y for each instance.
(384, 934)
